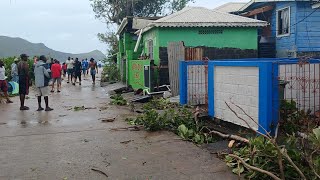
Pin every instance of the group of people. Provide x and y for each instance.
(44, 73)
(75, 68)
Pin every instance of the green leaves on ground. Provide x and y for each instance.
(160, 114)
(118, 100)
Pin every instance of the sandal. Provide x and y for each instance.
(25, 108)
(9, 102)
(52, 91)
(49, 109)
(58, 91)
(40, 109)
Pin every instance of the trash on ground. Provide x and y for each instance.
(106, 120)
(126, 142)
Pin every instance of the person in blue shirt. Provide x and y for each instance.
(85, 65)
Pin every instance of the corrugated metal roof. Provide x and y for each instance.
(203, 17)
(268, 1)
(230, 7)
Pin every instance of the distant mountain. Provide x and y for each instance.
(10, 47)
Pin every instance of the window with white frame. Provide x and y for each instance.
(283, 21)
(150, 49)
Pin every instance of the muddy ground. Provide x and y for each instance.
(68, 144)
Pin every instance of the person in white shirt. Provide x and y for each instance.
(3, 82)
(70, 68)
(14, 71)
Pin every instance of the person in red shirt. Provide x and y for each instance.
(64, 68)
(56, 75)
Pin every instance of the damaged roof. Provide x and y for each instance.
(230, 7)
(203, 17)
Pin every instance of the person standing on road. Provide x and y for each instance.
(93, 70)
(14, 70)
(40, 72)
(85, 65)
(56, 75)
(70, 66)
(77, 71)
(3, 82)
(24, 80)
(64, 67)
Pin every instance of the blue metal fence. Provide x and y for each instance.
(268, 85)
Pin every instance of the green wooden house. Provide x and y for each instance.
(226, 36)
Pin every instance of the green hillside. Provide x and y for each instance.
(10, 47)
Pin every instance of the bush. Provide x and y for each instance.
(9, 61)
(110, 73)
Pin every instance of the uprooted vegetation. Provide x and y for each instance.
(160, 114)
(119, 100)
(292, 153)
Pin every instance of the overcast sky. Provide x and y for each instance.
(63, 25)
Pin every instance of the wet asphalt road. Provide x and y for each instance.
(68, 144)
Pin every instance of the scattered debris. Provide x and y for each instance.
(107, 120)
(85, 140)
(126, 142)
(3, 124)
(144, 163)
(99, 171)
(143, 99)
(63, 115)
(132, 128)
(82, 108)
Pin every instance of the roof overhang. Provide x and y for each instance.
(316, 5)
(258, 11)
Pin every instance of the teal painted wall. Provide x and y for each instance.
(242, 38)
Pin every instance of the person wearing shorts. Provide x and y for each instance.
(42, 89)
(70, 68)
(77, 71)
(93, 70)
(56, 70)
(3, 82)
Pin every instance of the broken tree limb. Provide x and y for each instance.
(131, 128)
(230, 136)
(99, 171)
(254, 168)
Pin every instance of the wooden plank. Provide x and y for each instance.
(175, 54)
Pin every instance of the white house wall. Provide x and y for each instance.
(238, 85)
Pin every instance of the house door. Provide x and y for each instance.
(147, 78)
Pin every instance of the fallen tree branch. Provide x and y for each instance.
(131, 128)
(254, 168)
(99, 171)
(229, 136)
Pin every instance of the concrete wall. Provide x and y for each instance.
(238, 85)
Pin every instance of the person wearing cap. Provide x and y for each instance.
(93, 70)
(40, 73)
(14, 70)
(24, 80)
